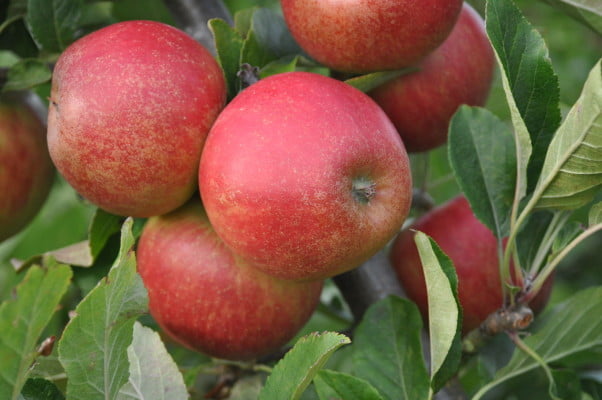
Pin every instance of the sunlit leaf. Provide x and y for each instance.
(153, 373)
(93, 348)
(572, 172)
(295, 371)
(444, 310)
(22, 321)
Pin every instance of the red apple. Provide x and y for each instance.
(210, 300)
(131, 106)
(26, 172)
(472, 247)
(304, 176)
(460, 71)
(369, 35)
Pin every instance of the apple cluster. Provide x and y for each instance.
(301, 177)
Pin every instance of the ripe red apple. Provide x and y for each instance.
(369, 35)
(472, 247)
(131, 105)
(460, 71)
(304, 176)
(26, 172)
(210, 300)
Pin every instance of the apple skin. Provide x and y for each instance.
(131, 106)
(472, 247)
(460, 71)
(26, 171)
(304, 176)
(210, 300)
(365, 35)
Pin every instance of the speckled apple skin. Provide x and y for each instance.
(472, 247)
(26, 172)
(208, 299)
(131, 105)
(460, 71)
(278, 170)
(369, 35)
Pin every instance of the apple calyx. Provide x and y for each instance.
(248, 74)
(363, 190)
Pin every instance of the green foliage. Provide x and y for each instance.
(445, 312)
(56, 36)
(529, 80)
(483, 158)
(578, 320)
(572, 171)
(295, 371)
(153, 373)
(22, 322)
(332, 385)
(387, 351)
(93, 348)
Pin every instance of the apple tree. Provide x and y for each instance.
(488, 286)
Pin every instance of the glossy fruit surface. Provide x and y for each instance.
(304, 176)
(131, 105)
(460, 71)
(208, 299)
(369, 35)
(26, 172)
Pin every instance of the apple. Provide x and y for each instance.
(210, 300)
(460, 71)
(131, 106)
(472, 247)
(304, 176)
(366, 35)
(26, 172)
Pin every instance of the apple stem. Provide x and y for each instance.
(363, 190)
(511, 319)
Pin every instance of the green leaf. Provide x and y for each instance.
(387, 351)
(22, 321)
(588, 12)
(247, 388)
(295, 371)
(254, 53)
(444, 310)
(84, 253)
(94, 345)
(228, 44)
(483, 158)
(153, 373)
(577, 319)
(40, 389)
(529, 239)
(272, 33)
(529, 81)
(595, 214)
(337, 385)
(53, 23)
(572, 171)
(8, 58)
(367, 82)
(103, 226)
(26, 74)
